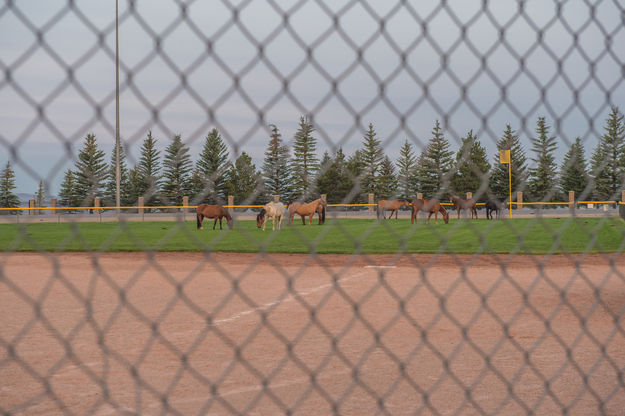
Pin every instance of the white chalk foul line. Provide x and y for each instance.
(380, 267)
(277, 302)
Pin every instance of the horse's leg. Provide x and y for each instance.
(200, 217)
(396, 213)
(215, 223)
(265, 221)
(273, 223)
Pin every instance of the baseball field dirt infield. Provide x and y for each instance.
(189, 333)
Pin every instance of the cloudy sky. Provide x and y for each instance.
(189, 66)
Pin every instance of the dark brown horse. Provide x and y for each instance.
(307, 210)
(431, 206)
(461, 204)
(392, 205)
(493, 205)
(212, 211)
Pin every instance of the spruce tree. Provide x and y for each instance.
(334, 181)
(177, 169)
(68, 195)
(90, 172)
(574, 173)
(244, 180)
(7, 184)
(148, 169)
(305, 164)
(276, 170)
(212, 171)
(110, 189)
(542, 181)
(435, 165)
(407, 165)
(135, 186)
(372, 156)
(472, 167)
(387, 182)
(608, 165)
(499, 175)
(40, 196)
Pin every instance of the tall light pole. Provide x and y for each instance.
(117, 168)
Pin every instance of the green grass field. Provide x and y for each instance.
(522, 236)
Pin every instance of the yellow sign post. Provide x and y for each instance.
(504, 157)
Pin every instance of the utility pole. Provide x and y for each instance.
(117, 168)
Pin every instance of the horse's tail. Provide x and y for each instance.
(199, 221)
(323, 213)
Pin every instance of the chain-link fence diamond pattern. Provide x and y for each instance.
(211, 332)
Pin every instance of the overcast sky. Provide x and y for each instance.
(242, 65)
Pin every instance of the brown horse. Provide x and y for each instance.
(317, 206)
(432, 206)
(393, 205)
(461, 204)
(212, 211)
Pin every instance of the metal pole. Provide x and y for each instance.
(117, 168)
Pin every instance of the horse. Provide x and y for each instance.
(461, 204)
(392, 205)
(212, 211)
(317, 206)
(275, 210)
(493, 205)
(432, 206)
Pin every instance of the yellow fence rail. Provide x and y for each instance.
(103, 208)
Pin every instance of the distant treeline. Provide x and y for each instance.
(298, 173)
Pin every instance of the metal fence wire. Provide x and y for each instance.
(212, 332)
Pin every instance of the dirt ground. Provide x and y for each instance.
(188, 333)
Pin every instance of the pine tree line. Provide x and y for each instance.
(436, 171)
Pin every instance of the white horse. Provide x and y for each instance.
(275, 210)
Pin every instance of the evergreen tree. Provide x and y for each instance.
(69, 196)
(334, 180)
(212, 169)
(40, 196)
(177, 167)
(407, 165)
(542, 177)
(111, 181)
(573, 173)
(499, 175)
(435, 165)
(90, 172)
(608, 166)
(305, 164)
(472, 167)
(276, 170)
(387, 180)
(244, 179)
(135, 186)
(7, 184)
(372, 156)
(148, 171)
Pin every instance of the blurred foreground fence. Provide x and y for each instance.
(256, 333)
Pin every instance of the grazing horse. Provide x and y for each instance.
(432, 206)
(461, 204)
(275, 210)
(317, 206)
(212, 211)
(392, 205)
(493, 205)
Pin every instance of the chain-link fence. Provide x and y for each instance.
(523, 315)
